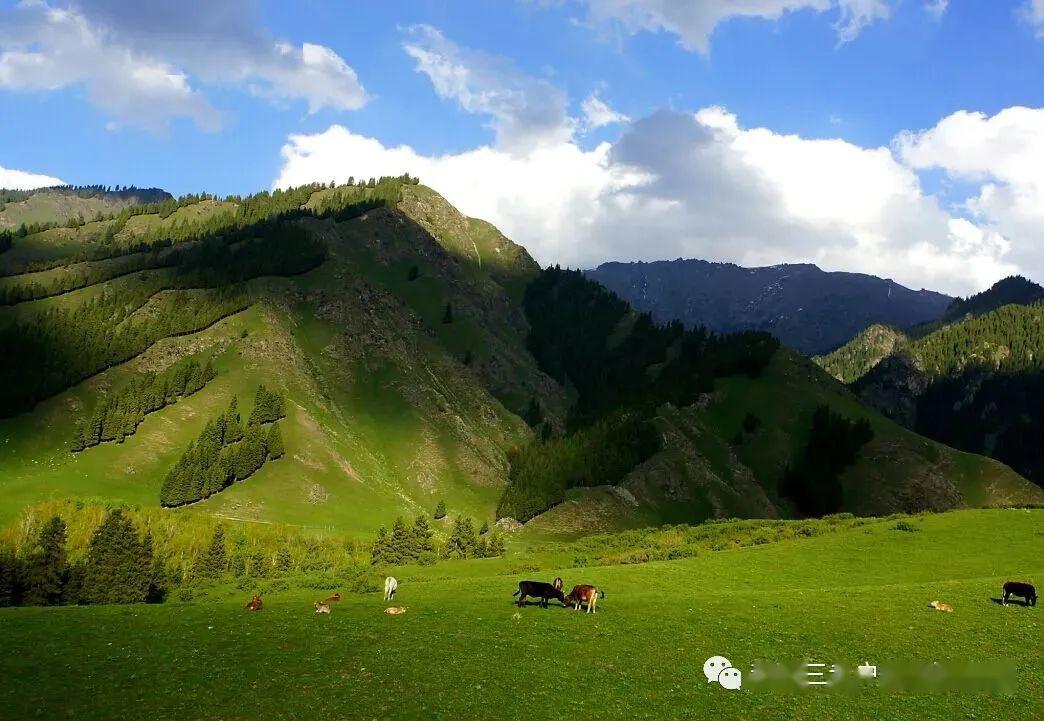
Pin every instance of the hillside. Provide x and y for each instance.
(59, 205)
(402, 340)
(951, 383)
(806, 308)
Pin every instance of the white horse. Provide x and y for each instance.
(390, 587)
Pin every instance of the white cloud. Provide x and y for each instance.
(524, 111)
(21, 180)
(693, 21)
(1002, 155)
(1033, 12)
(142, 64)
(937, 8)
(597, 114)
(693, 185)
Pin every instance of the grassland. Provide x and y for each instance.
(463, 650)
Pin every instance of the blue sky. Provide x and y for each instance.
(868, 93)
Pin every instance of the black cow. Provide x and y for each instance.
(538, 589)
(1024, 590)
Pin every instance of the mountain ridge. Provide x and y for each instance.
(807, 308)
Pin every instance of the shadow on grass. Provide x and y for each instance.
(1011, 602)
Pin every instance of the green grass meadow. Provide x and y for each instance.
(463, 650)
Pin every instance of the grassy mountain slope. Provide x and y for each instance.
(58, 205)
(382, 413)
(702, 472)
(389, 407)
(971, 382)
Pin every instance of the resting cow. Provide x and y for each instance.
(538, 589)
(254, 604)
(334, 597)
(1023, 590)
(321, 607)
(584, 594)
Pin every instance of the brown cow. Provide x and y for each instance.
(334, 597)
(584, 594)
(255, 604)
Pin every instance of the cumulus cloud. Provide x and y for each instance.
(524, 111)
(693, 21)
(21, 180)
(693, 185)
(597, 114)
(143, 64)
(1002, 156)
(1033, 12)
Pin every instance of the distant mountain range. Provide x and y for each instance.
(808, 309)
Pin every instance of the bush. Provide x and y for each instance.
(905, 526)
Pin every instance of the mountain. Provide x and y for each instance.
(64, 203)
(971, 383)
(808, 309)
(331, 357)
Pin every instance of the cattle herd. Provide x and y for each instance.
(582, 595)
(586, 595)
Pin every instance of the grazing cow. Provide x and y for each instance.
(390, 587)
(558, 583)
(1023, 590)
(334, 597)
(254, 604)
(584, 594)
(538, 589)
(321, 607)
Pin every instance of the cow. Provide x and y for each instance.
(390, 587)
(254, 604)
(584, 594)
(321, 607)
(1021, 589)
(538, 589)
(334, 597)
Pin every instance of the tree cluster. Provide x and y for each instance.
(119, 414)
(416, 543)
(223, 453)
(119, 567)
(813, 481)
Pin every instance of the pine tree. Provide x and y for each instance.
(462, 542)
(212, 562)
(11, 579)
(422, 536)
(112, 572)
(47, 566)
(284, 560)
(484, 529)
(447, 315)
(275, 442)
(259, 565)
(496, 545)
(382, 551)
(401, 543)
(440, 511)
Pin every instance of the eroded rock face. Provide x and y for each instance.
(893, 387)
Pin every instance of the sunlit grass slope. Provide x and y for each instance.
(463, 650)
